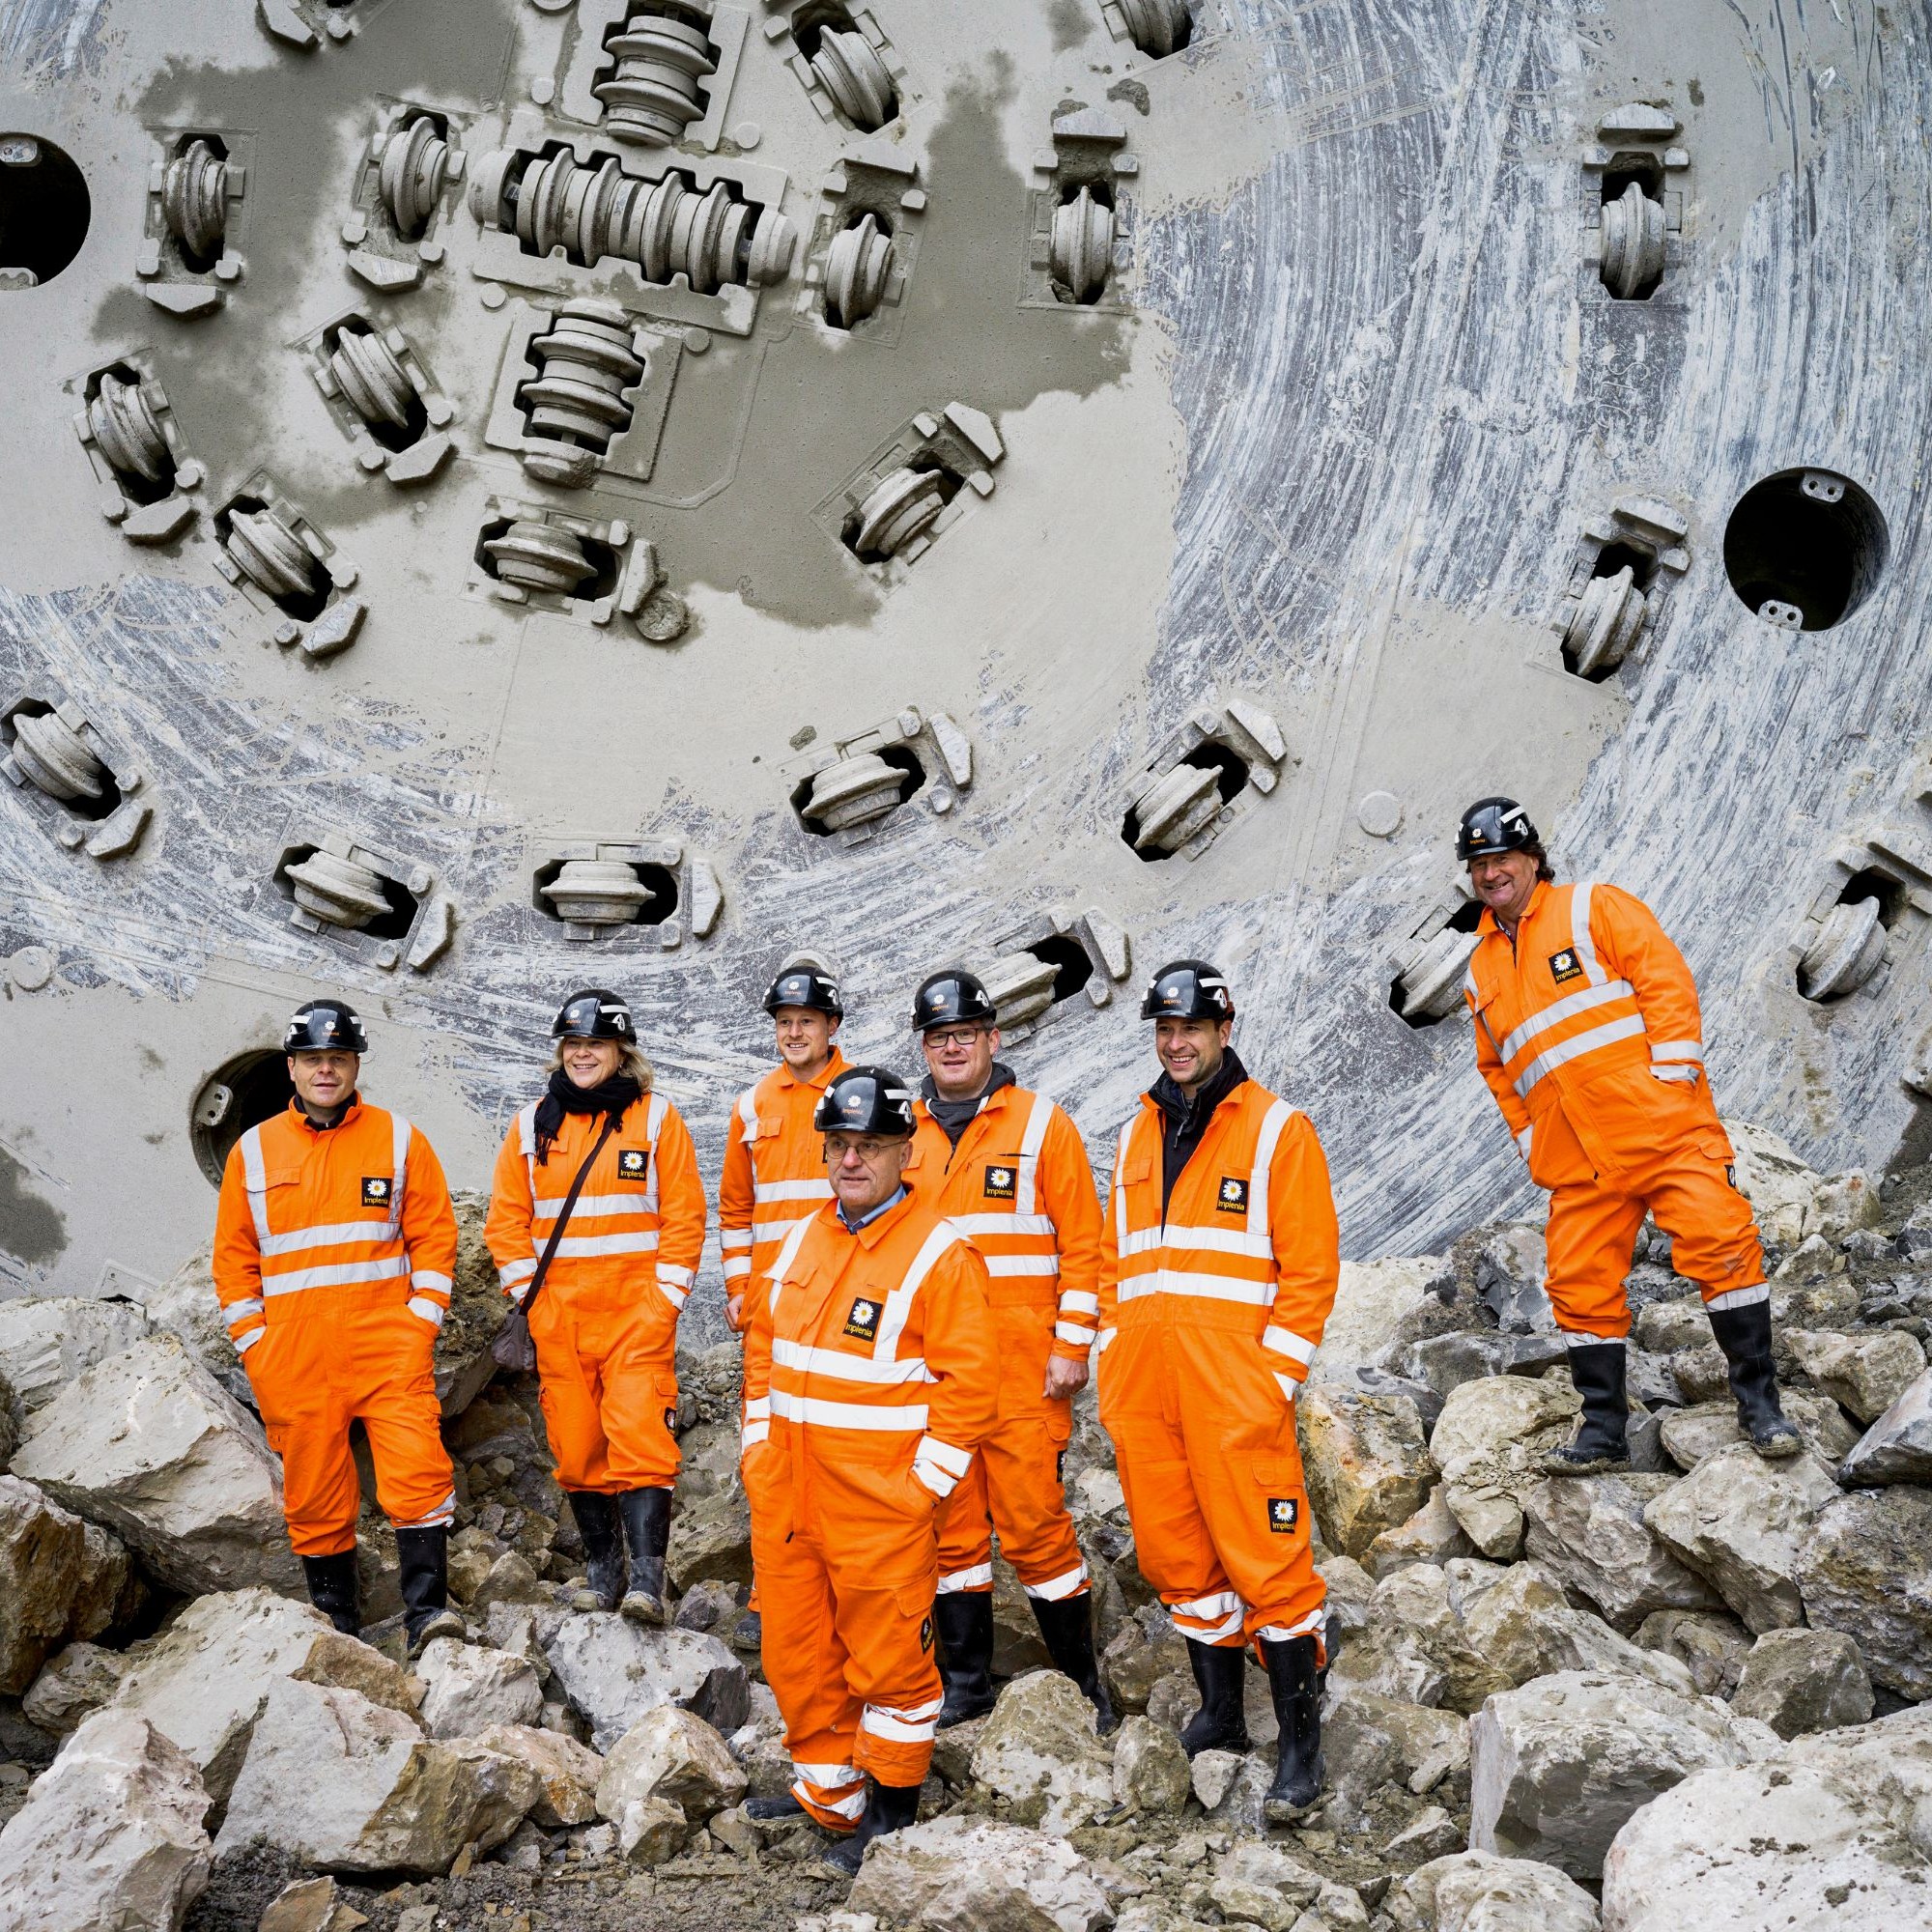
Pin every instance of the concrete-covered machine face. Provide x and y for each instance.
(505, 495)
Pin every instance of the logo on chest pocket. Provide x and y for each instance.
(1000, 1182)
(377, 1190)
(1232, 1198)
(634, 1164)
(863, 1323)
(1565, 965)
(1284, 1513)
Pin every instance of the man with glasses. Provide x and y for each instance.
(1007, 1169)
(870, 1385)
(1589, 1036)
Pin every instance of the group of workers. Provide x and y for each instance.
(921, 1281)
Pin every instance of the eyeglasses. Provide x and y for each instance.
(957, 1037)
(868, 1150)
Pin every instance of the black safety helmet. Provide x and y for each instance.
(1188, 989)
(324, 1026)
(951, 998)
(594, 1014)
(1494, 825)
(806, 986)
(866, 1101)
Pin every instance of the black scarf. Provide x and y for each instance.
(566, 1096)
(1185, 1121)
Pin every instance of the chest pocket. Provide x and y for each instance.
(999, 1177)
(1488, 1017)
(1136, 1168)
(634, 1166)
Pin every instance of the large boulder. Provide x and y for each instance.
(568, 1771)
(1488, 1444)
(1511, 1267)
(1040, 1749)
(1897, 1448)
(1432, 1535)
(48, 1342)
(110, 1839)
(1369, 1741)
(1798, 1681)
(1589, 1533)
(1477, 1891)
(1865, 1569)
(1866, 1373)
(1557, 1766)
(469, 1688)
(353, 1786)
(1413, 1648)
(710, 1541)
(1691, 1435)
(1742, 1523)
(1712, 1645)
(1149, 1768)
(148, 1445)
(672, 1757)
(976, 1875)
(60, 1580)
(1831, 1832)
(1792, 1201)
(613, 1671)
(1366, 1462)
(1524, 1627)
(1370, 1298)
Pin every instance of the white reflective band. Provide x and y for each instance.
(550, 1207)
(1216, 1606)
(734, 1237)
(973, 1225)
(444, 1512)
(955, 1462)
(752, 1434)
(400, 1133)
(336, 1234)
(902, 1418)
(1207, 1287)
(587, 1247)
(737, 1270)
(429, 1280)
(1026, 1196)
(255, 1181)
(1285, 1342)
(1286, 1384)
(777, 1231)
(1077, 1302)
(342, 1275)
(852, 1806)
(902, 1727)
(1581, 936)
(1056, 1588)
(669, 1271)
(1740, 1297)
(431, 1312)
(979, 1577)
(1274, 1124)
(791, 1190)
(1311, 1623)
(1679, 1072)
(1631, 1027)
(244, 1343)
(1523, 1141)
(1022, 1265)
(934, 1477)
(512, 1272)
(519, 1291)
(1101, 1340)
(1677, 1049)
(758, 1409)
(1566, 1009)
(1205, 1626)
(1067, 1331)
(672, 1293)
(1580, 1338)
(237, 1311)
(831, 1774)
(1182, 1234)
(899, 1302)
(841, 1367)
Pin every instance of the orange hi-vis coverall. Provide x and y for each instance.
(1019, 1188)
(334, 1250)
(1210, 1321)
(774, 1172)
(869, 1381)
(1588, 1032)
(606, 1324)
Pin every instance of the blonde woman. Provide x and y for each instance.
(613, 1162)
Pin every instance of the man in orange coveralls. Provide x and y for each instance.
(1007, 1168)
(605, 1321)
(868, 1385)
(1588, 1032)
(774, 1157)
(1219, 1265)
(334, 1249)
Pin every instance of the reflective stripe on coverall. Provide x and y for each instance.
(1208, 1325)
(869, 1381)
(1018, 1185)
(606, 1324)
(1588, 1032)
(334, 1250)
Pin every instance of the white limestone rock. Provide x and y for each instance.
(1792, 1201)
(1690, 1435)
(1370, 1300)
(1432, 1535)
(1477, 1891)
(1865, 1372)
(568, 1770)
(1799, 1681)
(1588, 1532)
(1041, 1744)
(61, 1579)
(1488, 1444)
(1865, 1569)
(1712, 1645)
(1150, 1777)
(1897, 1448)
(146, 1444)
(613, 1670)
(46, 1341)
(74, 1683)
(110, 1838)
(977, 1875)
(471, 1687)
(1369, 1742)
(672, 1756)
(1367, 1464)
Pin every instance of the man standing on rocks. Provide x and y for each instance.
(1588, 1032)
(774, 1157)
(869, 1383)
(1219, 1264)
(334, 1250)
(1007, 1169)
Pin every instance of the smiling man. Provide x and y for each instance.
(1589, 1036)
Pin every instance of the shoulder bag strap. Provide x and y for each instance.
(563, 1217)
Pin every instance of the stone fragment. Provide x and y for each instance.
(1711, 1644)
(1370, 1298)
(669, 1753)
(1804, 1680)
(1522, 1625)
(147, 1444)
(652, 1831)
(110, 1839)
(1865, 1372)
(1477, 1891)
(1017, 1646)
(1512, 1265)
(1432, 1535)
(1139, 1656)
(1041, 1744)
(469, 1688)
(1369, 1742)
(1367, 1466)
(1791, 1200)
(1667, 1327)
(568, 1770)
(45, 1581)
(1589, 1533)
(343, 1663)
(1692, 1434)
(977, 1875)
(1211, 1775)
(1897, 1448)
(1866, 1568)
(1431, 1834)
(1487, 1444)
(1556, 1766)
(1150, 1774)
(1241, 1903)
(614, 1670)
(351, 1786)
(710, 1542)
(48, 1342)
(1742, 1522)
(73, 1685)
(310, 1905)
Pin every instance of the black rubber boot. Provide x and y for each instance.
(424, 1555)
(1602, 1441)
(1745, 1336)
(785, 1806)
(1294, 1686)
(332, 1589)
(891, 1807)
(603, 1549)
(646, 1514)
(1067, 1627)
(1221, 1723)
(964, 1622)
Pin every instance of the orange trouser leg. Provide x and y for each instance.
(1713, 1240)
(886, 1632)
(1589, 1241)
(609, 1387)
(399, 1412)
(966, 1533)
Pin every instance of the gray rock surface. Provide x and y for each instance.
(1150, 1768)
(1478, 1891)
(73, 1685)
(1866, 1373)
(1040, 1749)
(1897, 1448)
(568, 1770)
(977, 1875)
(46, 1341)
(1798, 1681)
(1711, 1644)
(61, 1579)
(1867, 1569)
(613, 1671)
(1367, 1464)
(469, 1688)
(672, 1756)
(1369, 1742)
(1589, 1533)
(1488, 1442)
(1692, 1434)
(1432, 1535)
